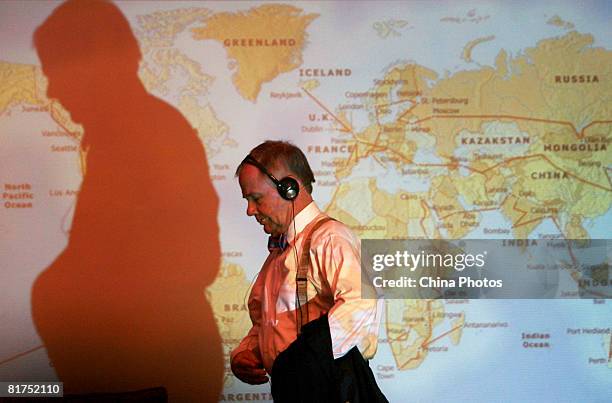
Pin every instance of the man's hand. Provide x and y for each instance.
(248, 368)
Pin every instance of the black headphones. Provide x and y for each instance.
(288, 188)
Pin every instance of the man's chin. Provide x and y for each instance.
(267, 229)
(271, 231)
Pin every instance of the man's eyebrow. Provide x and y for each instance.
(251, 195)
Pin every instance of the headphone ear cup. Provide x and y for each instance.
(288, 188)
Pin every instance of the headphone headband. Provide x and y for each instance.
(250, 160)
(288, 188)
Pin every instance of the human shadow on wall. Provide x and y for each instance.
(123, 307)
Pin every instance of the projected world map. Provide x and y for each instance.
(420, 120)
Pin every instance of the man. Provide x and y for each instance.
(276, 181)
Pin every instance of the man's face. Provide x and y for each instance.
(264, 202)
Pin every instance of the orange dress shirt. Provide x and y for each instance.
(334, 287)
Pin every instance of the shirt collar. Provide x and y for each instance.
(302, 219)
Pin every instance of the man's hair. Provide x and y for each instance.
(272, 154)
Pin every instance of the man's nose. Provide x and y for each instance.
(251, 208)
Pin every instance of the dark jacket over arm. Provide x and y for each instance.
(307, 372)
